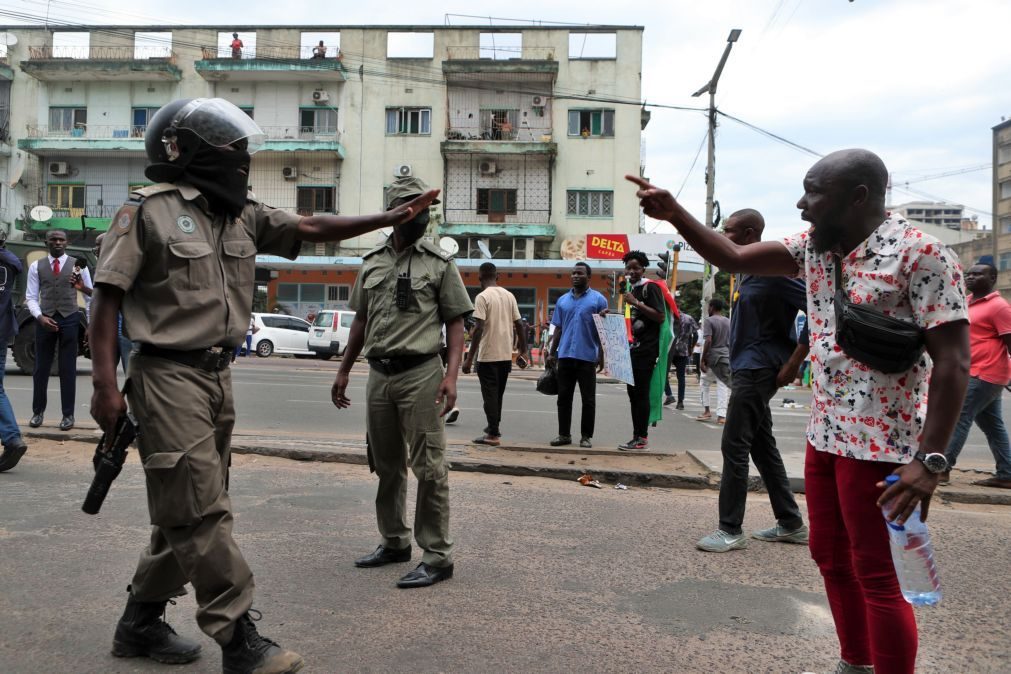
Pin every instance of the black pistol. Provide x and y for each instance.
(109, 457)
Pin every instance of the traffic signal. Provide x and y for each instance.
(664, 265)
(616, 284)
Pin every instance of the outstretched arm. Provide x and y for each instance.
(765, 258)
(322, 228)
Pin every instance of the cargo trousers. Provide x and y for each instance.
(185, 416)
(404, 428)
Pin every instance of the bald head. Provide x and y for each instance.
(749, 217)
(854, 168)
(744, 226)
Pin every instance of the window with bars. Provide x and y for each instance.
(311, 200)
(590, 203)
(141, 117)
(591, 123)
(491, 201)
(408, 121)
(67, 119)
(318, 121)
(338, 293)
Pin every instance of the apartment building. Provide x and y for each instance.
(998, 244)
(528, 131)
(931, 213)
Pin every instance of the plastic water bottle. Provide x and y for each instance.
(913, 556)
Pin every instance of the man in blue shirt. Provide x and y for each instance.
(763, 357)
(575, 349)
(14, 445)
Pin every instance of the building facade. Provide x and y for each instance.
(527, 132)
(931, 213)
(998, 244)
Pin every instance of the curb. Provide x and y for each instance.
(354, 456)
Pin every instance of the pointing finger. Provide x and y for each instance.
(641, 182)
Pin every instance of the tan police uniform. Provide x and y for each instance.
(404, 426)
(188, 282)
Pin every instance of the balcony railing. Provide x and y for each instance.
(48, 53)
(106, 132)
(503, 133)
(295, 53)
(501, 53)
(86, 211)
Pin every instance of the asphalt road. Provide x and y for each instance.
(287, 395)
(550, 577)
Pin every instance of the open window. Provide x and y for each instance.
(317, 121)
(501, 46)
(313, 199)
(68, 121)
(316, 45)
(410, 45)
(591, 123)
(593, 46)
(237, 45)
(71, 45)
(152, 45)
(408, 121)
(496, 203)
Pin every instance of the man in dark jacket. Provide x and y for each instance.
(14, 446)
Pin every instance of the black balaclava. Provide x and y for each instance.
(222, 176)
(415, 228)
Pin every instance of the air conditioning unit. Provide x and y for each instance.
(59, 168)
(320, 96)
(538, 102)
(403, 171)
(487, 168)
(290, 172)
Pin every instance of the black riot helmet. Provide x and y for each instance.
(178, 130)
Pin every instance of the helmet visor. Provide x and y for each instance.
(219, 123)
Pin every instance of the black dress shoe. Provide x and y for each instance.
(36, 420)
(383, 556)
(426, 575)
(13, 452)
(67, 423)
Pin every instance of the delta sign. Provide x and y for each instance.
(614, 246)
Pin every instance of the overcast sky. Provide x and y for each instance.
(920, 82)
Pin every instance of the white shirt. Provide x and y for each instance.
(32, 287)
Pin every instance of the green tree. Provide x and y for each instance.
(690, 294)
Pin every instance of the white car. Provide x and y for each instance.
(280, 334)
(330, 332)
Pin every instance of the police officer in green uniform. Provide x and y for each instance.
(406, 290)
(178, 261)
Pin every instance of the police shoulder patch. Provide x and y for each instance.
(125, 218)
(186, 224)
(434, 250)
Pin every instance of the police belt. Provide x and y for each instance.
(211, 359)
(398, 364)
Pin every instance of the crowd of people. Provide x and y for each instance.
(868, 421)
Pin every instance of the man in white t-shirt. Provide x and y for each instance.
(498, 325)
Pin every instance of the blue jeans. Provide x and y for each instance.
(982, 405)
(8, 424)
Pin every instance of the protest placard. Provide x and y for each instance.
(614, 338)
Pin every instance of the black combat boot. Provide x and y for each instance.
(250, 653)
(142, 632)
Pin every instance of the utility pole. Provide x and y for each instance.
(710, 87)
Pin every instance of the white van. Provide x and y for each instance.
(330, 333)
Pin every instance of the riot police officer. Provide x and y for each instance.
(179, 261)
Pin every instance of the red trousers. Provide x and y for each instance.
(849, 543)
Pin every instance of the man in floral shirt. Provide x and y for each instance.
(865, 424)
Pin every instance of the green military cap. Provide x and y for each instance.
(406, 186)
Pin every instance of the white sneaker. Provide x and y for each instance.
(453, 415)
(721, 541)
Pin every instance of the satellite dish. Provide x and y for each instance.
(449, 244)
(41, 213)
(483, 247)
(8, 39)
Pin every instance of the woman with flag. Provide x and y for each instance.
(649, 308)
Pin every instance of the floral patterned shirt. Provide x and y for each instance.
(856, 411)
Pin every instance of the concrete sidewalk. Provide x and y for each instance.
(692, 469)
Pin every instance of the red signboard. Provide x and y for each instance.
(606, 246)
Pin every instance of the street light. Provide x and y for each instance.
(710, 88)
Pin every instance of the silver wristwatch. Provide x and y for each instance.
(935, 462)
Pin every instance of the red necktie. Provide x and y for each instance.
(56, 267)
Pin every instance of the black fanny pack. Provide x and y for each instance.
(873, 338)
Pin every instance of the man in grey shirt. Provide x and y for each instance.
(715, 361)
